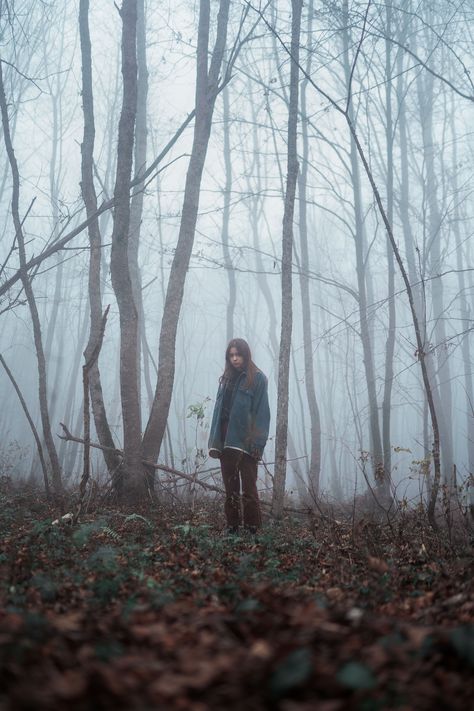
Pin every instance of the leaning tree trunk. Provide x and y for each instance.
(286, 271)
(94, 285)
(26, 283)
(207, 78)
(133, 483)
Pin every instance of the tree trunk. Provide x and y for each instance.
(206, 92)
(286, 269)
(390, 343)
(425, 96)
(136, 208)
(42, 376)
(132, 484)
(315, 420)
(226, 218)
(102, 427)
(465, 312)
(375, 436)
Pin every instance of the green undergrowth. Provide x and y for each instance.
(161, 608)
(157, 556)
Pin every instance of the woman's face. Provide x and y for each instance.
(235, 359)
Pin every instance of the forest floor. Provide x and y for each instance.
(163, 610)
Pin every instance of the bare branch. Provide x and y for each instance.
(69, 437)
(31, 424)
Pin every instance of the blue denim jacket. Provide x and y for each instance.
(249, 419)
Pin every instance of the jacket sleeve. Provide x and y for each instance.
(261, 415)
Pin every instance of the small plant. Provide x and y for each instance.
(198, 410)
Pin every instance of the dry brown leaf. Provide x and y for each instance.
(377, 564)
(334, 593)
(417, 635)
(169, 685)
(67, 623)
(261, 649)
(69, 685)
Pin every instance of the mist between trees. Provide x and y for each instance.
(297, 175)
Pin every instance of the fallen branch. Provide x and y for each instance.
(69, 437)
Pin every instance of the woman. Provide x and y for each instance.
(239, 432)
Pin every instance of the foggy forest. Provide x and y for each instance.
(175, 175)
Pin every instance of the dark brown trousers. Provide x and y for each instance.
(239, 467)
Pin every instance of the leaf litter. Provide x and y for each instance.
(160, 609)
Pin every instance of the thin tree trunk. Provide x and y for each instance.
(206, 93)
(42, 376)
(286, 269)
(376, 440)
(415, 276)
(390, 343)
(315, 420)
(133, 484)
(425, 96)
(94, 280)
(465, 311)
(226, 218)
(71, 391)
(136, 207)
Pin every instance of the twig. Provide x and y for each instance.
(87, 417)
(69, 437)
(31, 423)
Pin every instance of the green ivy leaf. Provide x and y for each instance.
(293, 671)
(356, 676)
(462, 639)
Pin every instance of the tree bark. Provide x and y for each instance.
(465, 311)
(390, 343)
(38, 340)
(426, 98)
(206, 93)
(136, 207)
(315, 419)
(286, 271)
(94, 280)
(359, 238)
(226, 219)
(132, 484)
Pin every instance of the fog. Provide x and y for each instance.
(401, 75)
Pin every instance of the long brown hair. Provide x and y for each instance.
(243, 349)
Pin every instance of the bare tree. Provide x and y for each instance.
(286, 270)
(315, 419)
(226, 217)
(360, 243)
(132, 482)
(207, 88)
(390, 343)
(26, 283)
(95, 241)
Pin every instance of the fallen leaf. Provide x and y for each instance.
(261, 649)
(380, 566)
